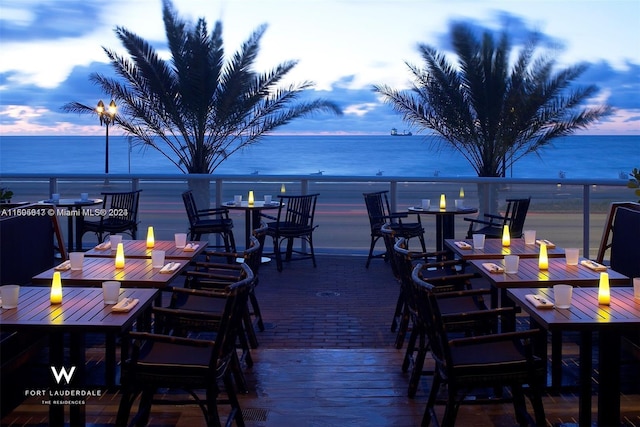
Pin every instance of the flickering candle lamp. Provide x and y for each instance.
(443, 202)
(150, 238)
(506, 236)
(56, 289)
(251, 199)
(604, 294)
(543, 260)
(120, 256)
(461, 193)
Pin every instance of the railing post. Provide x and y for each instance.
(586, 205)
(393, 195)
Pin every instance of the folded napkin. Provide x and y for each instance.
(191, 247)
(170, 268)
(417, 208)
(550, 245)
(593, 265)
(63, 267)
(463, 245)
(538, 302)
(104, 246)
(125, 305)
(493, 268)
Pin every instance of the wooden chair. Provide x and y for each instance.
(493, 224)
(120, 215)
(209, 221)
(477, 362)
(161, 360)
(295, 220)
(623, 246)
(380, 213)
(446, 279)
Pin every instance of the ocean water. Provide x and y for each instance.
(606, 157)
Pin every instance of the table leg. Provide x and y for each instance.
(584, 399)
(78, 231)
(609, 379)
(247, 227)
(556, 359)
(439, 232)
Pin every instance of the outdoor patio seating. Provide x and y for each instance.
(209, 221)
(120, 215)
(160, 360)
(295, 220)
(493, 224)
(379, 213)
(479, 362)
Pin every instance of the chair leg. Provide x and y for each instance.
(418, 364)
(144, 408)
(276, 251)
(249, 330)
(213, 417)
(256, 310)
(313, 253)
(371, 248)
(431, 401)
(124, 409)
(398, 312)
(233, 400)
(403, 328)
(411, 348)
(451, 409)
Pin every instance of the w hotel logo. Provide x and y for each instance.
(62, 373)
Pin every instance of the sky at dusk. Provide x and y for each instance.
(49, 48)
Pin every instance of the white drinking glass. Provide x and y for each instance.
(237, 199)
(572, 255)
(529, 237)
(267, 199)
(426, 204)
(76, 259)
(636, 287)
(115, 239)
(181, 240)
(562, 295)
(84, 196)
(459, 203)
(478, 241)
(111, 292)
(10, 294)
(55, 197)
(511, 264)
(157, 258)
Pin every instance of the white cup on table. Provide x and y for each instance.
(157, 258)
(84, 196)
(76, 259)
(511, 264)
(562, 295)
(572, 255)
(111, 291)
(267, 199)
(237, 199)
(426, 204)
(181, 240)
(529, 237)
(10, 295)
(115, 239)
(459, 203)
(478, 241)
(55, 197)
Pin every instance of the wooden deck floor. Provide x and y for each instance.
(327, 359)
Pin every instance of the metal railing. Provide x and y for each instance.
(568, 211)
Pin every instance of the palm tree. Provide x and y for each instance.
(199, 107)
(490, 107)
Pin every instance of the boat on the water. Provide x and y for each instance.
(394, 132)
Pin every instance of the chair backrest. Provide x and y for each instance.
(605, 242)
(122, 206)
(625, 242)
(259, 234)
(515, 215)
(190, 207)
(297, 212)
(428, 311)
(253, 254)
(237, 296)
(377, 208)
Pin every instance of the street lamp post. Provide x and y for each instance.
(106, 117)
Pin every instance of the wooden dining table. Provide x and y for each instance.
(139, 249)
(81, 312)
(586, 316)
(137, 273)
(445, 225)
(493, 249)
(253, 214)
